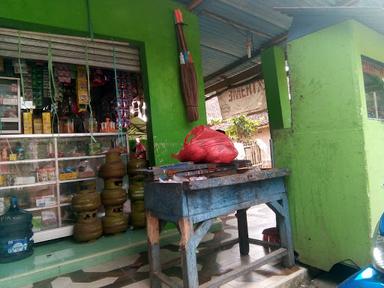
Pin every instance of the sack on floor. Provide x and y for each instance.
(205, 145)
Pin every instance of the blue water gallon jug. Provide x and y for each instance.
(15, 234)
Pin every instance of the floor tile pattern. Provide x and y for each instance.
(132, 271)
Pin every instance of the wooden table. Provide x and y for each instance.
(194, 205)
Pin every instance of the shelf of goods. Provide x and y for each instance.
(44, 171)
(9, 105)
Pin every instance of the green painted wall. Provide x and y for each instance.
(369, 43)
(150, 24)
(335, 154)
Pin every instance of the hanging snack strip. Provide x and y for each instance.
(125, 98)
(20, 66)
(82, 86)
(27, 116)
(118, 118)
(90, 121)
(52, 88)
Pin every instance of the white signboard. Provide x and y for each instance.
(212, 108)
(246, 99)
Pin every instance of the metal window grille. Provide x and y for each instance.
(69, 49)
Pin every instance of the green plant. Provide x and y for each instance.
(241, 128)
(214, 122)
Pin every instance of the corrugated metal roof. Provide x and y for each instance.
(228, 26)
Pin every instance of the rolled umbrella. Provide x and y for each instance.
(187, 71)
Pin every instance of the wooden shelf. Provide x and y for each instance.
(46, 207)
(56, 141)
(40, 208)
(52, 233)
(81, 157)
(78, 180)
(28, 185)
(9, 120)
(27, 161)
(60, 135)
(86, 157)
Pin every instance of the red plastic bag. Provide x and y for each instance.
(203, 144)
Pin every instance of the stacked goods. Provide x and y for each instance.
(47, 126)
(37, 122)
(113, 196)
(27, 122)
(136, 191)
(86, 203)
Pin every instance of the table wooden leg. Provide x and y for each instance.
(242, 226)
(188, 254)
(284, 225)
(153, 237)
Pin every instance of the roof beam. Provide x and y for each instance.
(347, 2)
(194, 4)
(235, 24)
(274, 41)
(249, 8)
(220, 50)
(251, 73)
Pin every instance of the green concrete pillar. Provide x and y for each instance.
(334, 189)
(276, 87)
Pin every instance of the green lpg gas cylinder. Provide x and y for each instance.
(15, 234)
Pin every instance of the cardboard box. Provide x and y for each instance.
(27, 123)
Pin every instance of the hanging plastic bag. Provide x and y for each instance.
(203, 144)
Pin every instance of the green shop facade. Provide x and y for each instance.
(149, 25)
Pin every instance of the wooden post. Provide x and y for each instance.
(242, 226)
(188, 254)
(284, 226)
(153, 237)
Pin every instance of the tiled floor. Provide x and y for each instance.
(132, 271)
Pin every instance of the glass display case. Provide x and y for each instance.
(44, 171)
(9, 105)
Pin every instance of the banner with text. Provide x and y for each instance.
(245, 99)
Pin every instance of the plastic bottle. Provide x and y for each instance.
(15, 234)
